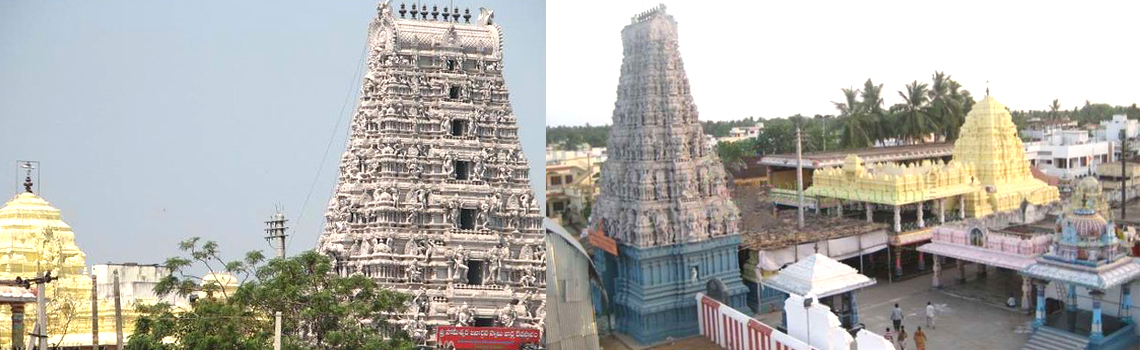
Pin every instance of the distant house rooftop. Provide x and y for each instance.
(816, 160)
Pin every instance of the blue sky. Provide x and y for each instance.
(156, 121)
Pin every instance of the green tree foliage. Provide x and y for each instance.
(722, 128)
(732, 153)
(1087, 114)
(321, 309)
(570, 137)
(857, 126)
(947, 105)
(913, 115)
(936, 108)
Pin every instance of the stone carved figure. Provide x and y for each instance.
(507, 316)
(413, 271)
(495, 262)
(463, 315)
(449, 165)
(527, 279)
(459, 265)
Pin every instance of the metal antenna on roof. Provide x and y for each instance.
(987, 87)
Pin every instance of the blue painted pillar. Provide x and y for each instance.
(1071, 300)
(1039, 317)
(854, 309)
(784, 319)
(1126, 302)
(1096, 332)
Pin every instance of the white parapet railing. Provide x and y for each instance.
(733, 330)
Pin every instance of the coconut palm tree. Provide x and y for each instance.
(855, 127)
(945, 108)
(1054, 110)
(913, 115)
(879, 127)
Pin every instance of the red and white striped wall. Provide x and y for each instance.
(734, 330)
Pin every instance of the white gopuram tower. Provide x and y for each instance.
(433, 198)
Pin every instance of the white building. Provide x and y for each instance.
(1037, 129)
(1068, 154)
(557, 157)
(1109, 130)
(136, 282)
(739, 133)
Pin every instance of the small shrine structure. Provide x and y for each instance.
(830, 281)
(1085, 256)
(971, 241)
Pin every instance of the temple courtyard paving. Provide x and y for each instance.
(962, 323)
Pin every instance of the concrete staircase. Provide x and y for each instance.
(1046, 338)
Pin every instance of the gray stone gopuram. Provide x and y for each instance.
(664, 197)
(433, 197)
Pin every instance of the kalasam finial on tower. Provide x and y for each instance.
(403, 10)
(28, 166)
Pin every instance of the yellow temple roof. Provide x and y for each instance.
(28, 209)
(989, 168)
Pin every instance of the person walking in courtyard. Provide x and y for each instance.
(889, 336)
(896, 317)
(902, 338)
(929, 315)
(919, 339)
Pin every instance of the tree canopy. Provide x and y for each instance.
(321, 309)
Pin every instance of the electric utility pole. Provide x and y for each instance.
(94, 312)
(1123, 174)
(275, 234)
(118, 312)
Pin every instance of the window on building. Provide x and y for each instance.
(467, 219)
(569, 179)
(558, 206)
(1084, 161)
(475, 272)
(453, 93)
(1073, 162)
(1061, 163)
(556, 181)
(1032, 162)
(462, 169)
(458, 127)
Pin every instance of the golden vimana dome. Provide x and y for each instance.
(32, 232)
(33, 238)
